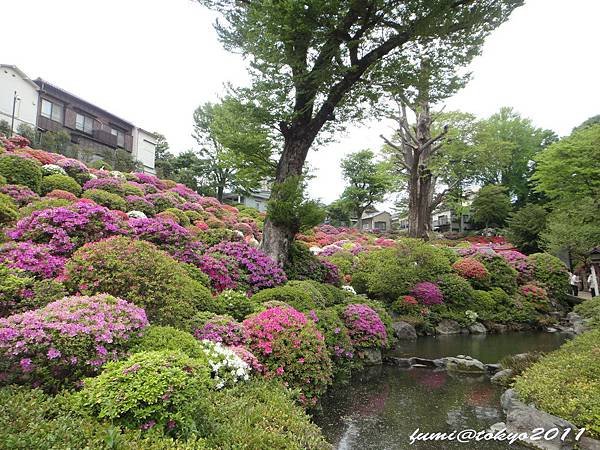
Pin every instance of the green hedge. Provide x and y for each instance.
(20, 170)
(105, 198)
(62, 182)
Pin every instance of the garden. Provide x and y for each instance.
(136, 313)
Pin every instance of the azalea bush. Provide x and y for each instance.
(365, 327)
(337, 339)
(8, 210)
(21, 170)
(21, 195)
(291, 348)
(34, 258)
(58, 344)
(235, 304)
(107, 199)
(471, 269)
(67, 228)
(502, 275)
(427, 293)
(552, 273)
(141, 273)
(62, 182)
(226, 366)
(221, 329)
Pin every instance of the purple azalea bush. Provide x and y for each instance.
(223, 272)
(365, 327)
(428, 293)
(22, 195)
(35, 258)
(222, 329)
(56, 345)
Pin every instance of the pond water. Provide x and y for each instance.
(382, 406)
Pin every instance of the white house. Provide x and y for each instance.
(17, 89)
(257, 199)
(144, 147)
(374, 220)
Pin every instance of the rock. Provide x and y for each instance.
(464, 331)
(497, 327)
(551, 330)
(404, 331)
(422, 362)
(586, 443)
(502, 376)
(465, 365)
(521, 418)
(493, 368)
(477, 328)
(447, 326)
(398, 362)
(441, 362)
(371, 356)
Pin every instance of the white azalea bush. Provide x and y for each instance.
(227, 367)
(52, 169)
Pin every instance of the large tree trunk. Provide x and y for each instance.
(277, 238)
(220, 190)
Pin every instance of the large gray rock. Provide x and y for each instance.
(477, 328)
(464, 364)
(522, 418)
(586, 443)
(502, 377)
(404, 331)
(447, 326)
(371, 356)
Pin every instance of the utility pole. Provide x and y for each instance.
(12, 120)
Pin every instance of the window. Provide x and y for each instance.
(84, 123)
(120, 137)
(52, 111)
(380, 226)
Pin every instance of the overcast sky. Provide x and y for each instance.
(152, 62)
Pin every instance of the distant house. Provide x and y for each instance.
(374, 220)
(257, 199)
(448, 220)
(96, 133)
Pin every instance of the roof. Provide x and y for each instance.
(43, 84)
(265, 195)
(373, 214)
(22, 74)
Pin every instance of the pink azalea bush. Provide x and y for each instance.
(291, 348)
(365, 327)
(67, 339)
(65, 229)
(22, 195)
(428, 293)
(222, 329)
(470, 268)
(35, 258)
(248, 357)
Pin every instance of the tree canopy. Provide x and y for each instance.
(491, 206)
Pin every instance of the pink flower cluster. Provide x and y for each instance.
(66, 339)
(22, 195)
(34, 258)
(264, 327)
(428, 293)
(470, 268)
(364, 326)
(222, 329)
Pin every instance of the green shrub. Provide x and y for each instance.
(141, 273)
(590, 310)
(261, 415)
(177, 215)
(130, 189)
(105, 198)
(338, 341)
(197, 274)
(292, 295)
(30, 419)
(159, 338)
(3, 180)
(344, 261)
(216, 235)
(303, 265)
(19, 170)
(552, 273)
(193, 216)
(8, 210)
(164, 389)
(519, 363)
(100, 164)
(44, 203)
(566, 383)
(235, 304)
(62, 182)
(501, 274)
(457, 291)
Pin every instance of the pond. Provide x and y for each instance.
(382, 406)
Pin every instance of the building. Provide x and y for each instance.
(94, 132)
(373, 220)
(257, 199)
(18, 91)
(447, 220)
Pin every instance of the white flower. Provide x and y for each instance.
(349, 288)
(52, 169)
(137, 215)
(227, 367)
(315, 250)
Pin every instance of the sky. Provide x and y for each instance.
(152, 62)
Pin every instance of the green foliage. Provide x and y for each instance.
(289, 206)
(339, 213)
(177, 215)
(497, 306)
(261, 415)
(105, 198)
(100, 164)
(48, 423)
(491, 206)
(215, 235)
(235, 304)
(20, 170)
(62, 182)
(566, 383)
(4, 127)
(519, 363)
(56, 141)
(457, 291)
(590, 310)
(552, 273)
(501, 274)
(303, 265)
(158, 338)
(338, 342)
(165, 389)
(8, 209)
(43, 203)
(142, 274)
(525, 227)
(292, 295)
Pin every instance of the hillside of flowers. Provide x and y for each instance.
(135, 311)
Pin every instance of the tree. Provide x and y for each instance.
(368, 182)
(4, 128)
(339, 213)
(235, 149)
(162, 157)
(594, 120)
(317, 63)
(509, 144)
(491, 206)
(525, 227)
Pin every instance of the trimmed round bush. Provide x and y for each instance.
(427, 293)
(20, 170)
(62, 182)
(502, 275)
(58, 193)
(535, 294)
(337, 339)
(58, 344)
(222, 329)
(235, 304)
(303, 265)
(21, 195)
(140, 273)
(294, 296)
(75, 169)
(177, 215)
(36, 259)
(227, 367)
(160, 338)
(105, 198)
(139, 203)
(365, 327)
(290, 347)
(455, 290)
(471, 269)
(8, 210)
(162, 390)
(552, 273)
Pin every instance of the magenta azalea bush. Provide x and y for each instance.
(428, 293)
(22, 195)
(57, 345)
(67, 228)
(35, 258)
(291, 348)
(365, 327)
(222, 329)
(256, 270)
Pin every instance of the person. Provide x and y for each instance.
(593, 285)
(574, 281)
